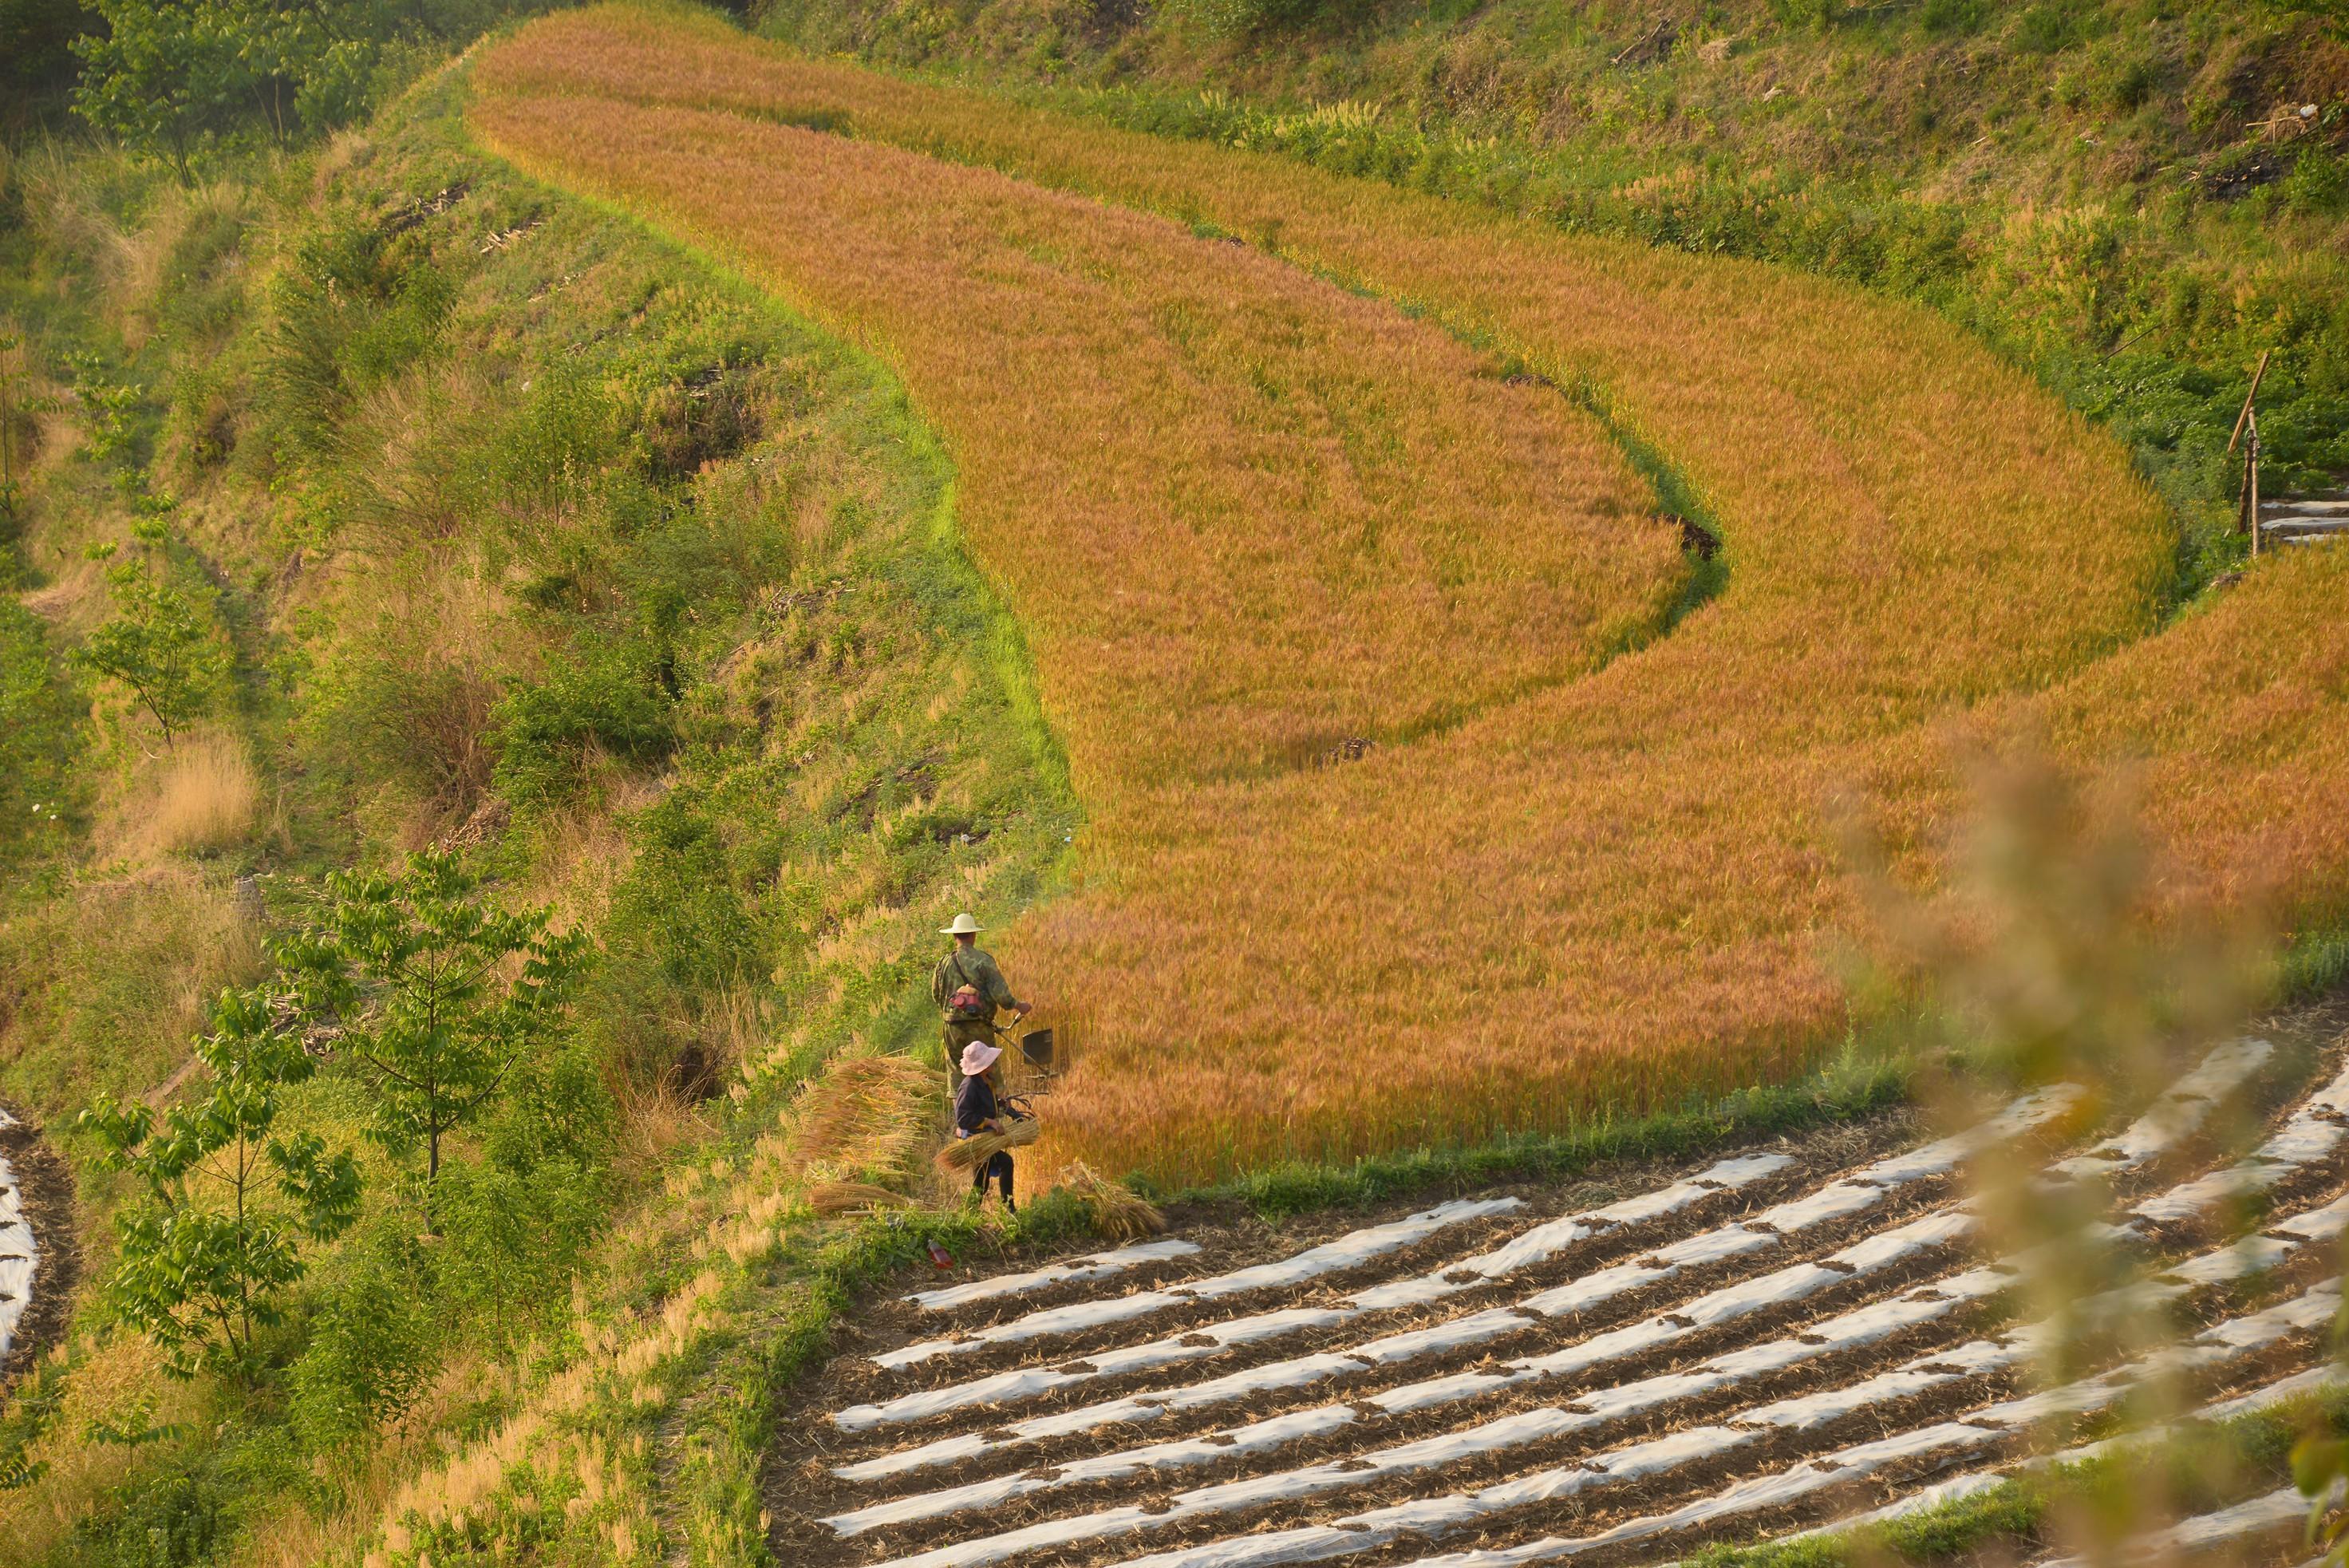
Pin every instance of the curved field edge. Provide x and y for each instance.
(2061, 494)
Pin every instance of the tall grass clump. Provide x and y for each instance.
(203, 796)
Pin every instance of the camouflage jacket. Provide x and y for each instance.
(975, 969)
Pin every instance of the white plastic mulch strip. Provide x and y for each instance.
(1346, 1252)
(2176, 1115)
(2312, 1132)
(1437, 1516)
(1852, 1331)
(19, 1254)
(1709, 1311)
(1099, 1266)
(1838, 1200)
(1433, 1453)
(2227, 1342)
(1544, 1242)
(1532, 1248)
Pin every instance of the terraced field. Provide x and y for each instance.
(1397, 709)
(1776, 1339)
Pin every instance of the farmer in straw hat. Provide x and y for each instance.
(976, 1112)
(969, 990)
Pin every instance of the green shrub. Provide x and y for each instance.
(510, 1242)
(2319, 181)
(1228, 18)
(356, 305)
(548, 731)
(371, 1343)
(1815, 16)
(677, 934)
(564, 431)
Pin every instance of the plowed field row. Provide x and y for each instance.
(1760, 1342)
(1246, 514)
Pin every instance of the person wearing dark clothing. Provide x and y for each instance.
(969, 990)
(976, 1112)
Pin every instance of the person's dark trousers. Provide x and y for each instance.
(999, 1168)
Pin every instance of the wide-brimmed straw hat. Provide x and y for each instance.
(978, 1058)
(964, 925)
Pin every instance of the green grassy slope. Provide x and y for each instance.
(515, 530)
(2123, 194)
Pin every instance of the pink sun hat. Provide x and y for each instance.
(978, 1058)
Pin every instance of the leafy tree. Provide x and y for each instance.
(210, 1252)
(419, 971)
(159, 647)
(174, 78)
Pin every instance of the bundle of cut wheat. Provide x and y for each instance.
(1118, 1214)
(852, 1196)
(970, 1153)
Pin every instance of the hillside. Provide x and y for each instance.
(500, 527)
(1524, 642)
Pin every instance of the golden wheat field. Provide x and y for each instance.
(1250, 497)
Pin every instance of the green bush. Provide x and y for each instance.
(356, 305)
(679, 932)
(1816, 16)
(394, 711)
(512, 1240)
(547, 733)
(2319, 181)
(565, 431)
(1227, 18)
(372, 1342)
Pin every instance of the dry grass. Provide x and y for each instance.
(1117, 1214)
(1244, 515)
(862, 1119)
(853, 1197)
(118, 1381)
(839, 1144)
(201, 796)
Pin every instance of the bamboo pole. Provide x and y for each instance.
(2244, 418)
